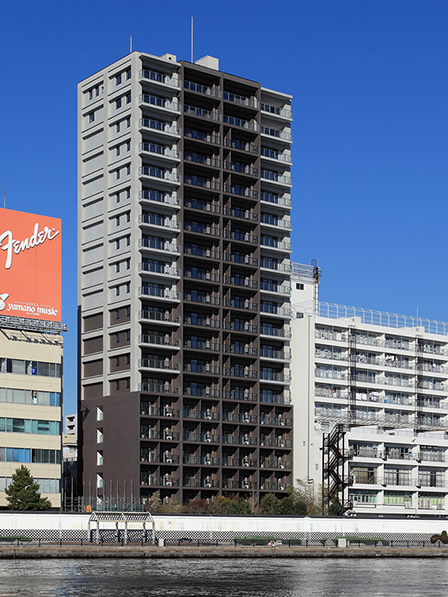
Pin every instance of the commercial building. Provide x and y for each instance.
(375, 385)
(184, 293)
(31, 351)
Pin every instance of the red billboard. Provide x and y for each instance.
(30, 266)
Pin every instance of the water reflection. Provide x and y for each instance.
(224, 578)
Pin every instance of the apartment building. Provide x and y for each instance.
(31, 406)
(184, 292)
(382, 379)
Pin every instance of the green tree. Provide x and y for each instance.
(270, 504)
(23, 492)
(336, 508)
(154, 502)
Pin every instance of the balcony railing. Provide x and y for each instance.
(161, 245)
(238, 303)
(275, 442)
(205, 183)
(270, 353)
(275, 398)
(243, 214)
(206, 415)
(152, 75)
(158, 268)
(200, 298)
(202, 136)
(160, 102)
(240, 349)
(235, 484)
(272, 376)
(194, 368)
(240, 395)
(159, 150)
(240, 145)
(149, 433)
(158, 388)
(244, 440)
(240, 258)
(159, 197)
(240, 372)
(155, 172)
(272, 331)
(207, 437)
(202, 345)
(239, 326)
(209, 322)
(240, 418)
(277, 463)
(157, 339)
(159, 482)
(273, 243)
(250, 125)
(194, 111)
(163, 458)
(201, 228)
(240, 190)
(273, 287)
(158, 364)
(273, 309)
(149, 410)
(205, 460)
(201, 392)
(202, 205)
(205, 90)
(157, 125)
(237, 462)
(281, 421)
(201, 275)
(159, 292)
(202, 159)
(275, 265)
(240, 235)
(158, 316)
(240, 168)
(250, 102)
(197, 251)
(240, 281)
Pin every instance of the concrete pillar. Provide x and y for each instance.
(125, 532)
(97, 532)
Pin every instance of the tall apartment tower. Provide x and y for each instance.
(184, 292)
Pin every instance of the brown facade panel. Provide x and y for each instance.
(93, 345)
(93, 368)
(93, 322)
(120, 339)
(120, 363)
(94, 390)
(121, 315)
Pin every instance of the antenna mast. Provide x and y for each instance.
(191, 40)
(130, 45)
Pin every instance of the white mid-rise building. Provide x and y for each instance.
(384, 379)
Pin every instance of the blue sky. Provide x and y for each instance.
(370, 87)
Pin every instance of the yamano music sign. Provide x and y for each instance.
(30, 266)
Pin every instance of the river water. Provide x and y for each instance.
(224, 578)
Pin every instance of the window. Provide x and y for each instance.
(117, 174)
(99, 413)
(118, 103)
(99, 458)
(128, 216)
(299, 286)
(117, 291)
(117, 361)
(90, 94)
(99, 436)
(128, 193)
(117, 243)
(117, 384)
(128, 146)
(128, 311)
(127, 382)
(128, 73)
(128, 264)
(117, 221)
(117, 314)
(128, 240)
(128, 359)
(129, 122)
(128, 169)
(128, 98)
(118, 79)
(128, 334)
(118, 127)
(117, 198)
(91, 116)
(117, 267)
(117, 150)
(99, 481)
(117, 337)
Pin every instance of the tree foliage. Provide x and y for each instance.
(23, 492)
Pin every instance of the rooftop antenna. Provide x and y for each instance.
(130, 45)
(191, 40)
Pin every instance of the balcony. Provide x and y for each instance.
(204, 89)
(205, 183)
(164, 293)
(240, 168)
(199, 251)
(202, 345)
(240, 418)
(202, 136)
(158, 364)
(273, 331)
(158, 268)
(270, 286)
(240, 145)
(194, 368)
(240, 190)
(276, 442)
(158, 339)
(274, 221)
(276, 155)
(152, 75)
(269, 398)
(206, 415)
(275, 265)
(249, 102)
(277, 463)
(276, 199)
(271, 353)
(196, 297)
(275, 177)
(240, 258)
(244, 440)
(159, 102)
(158, 388)
(239, 303)
(239, 349)
(159, 481)
(202, 205)
(160, 173)
(279, 420)
(239, 462)
(275, 310)
(243, 214)
(278, 134)
(160, 150)
(198, 460)
(165, 198)
(159, 316)
(240, 395)
(149, 456)
(249, 125)
(158, 125)
(149, 410)
(273, 376)
(201, 113)
(274, 486)
(273, 243)
(206, 437)
(239, 326)
(147, 432)
(201, 392)
(240, 281)
(240, 236)
(202, 159)
(197, 227)
(158, 244)
(283, 112)
(240, 372)
(235, 484)
(195, 274)
(209, 322)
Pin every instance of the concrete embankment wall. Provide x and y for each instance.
(49, 526)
